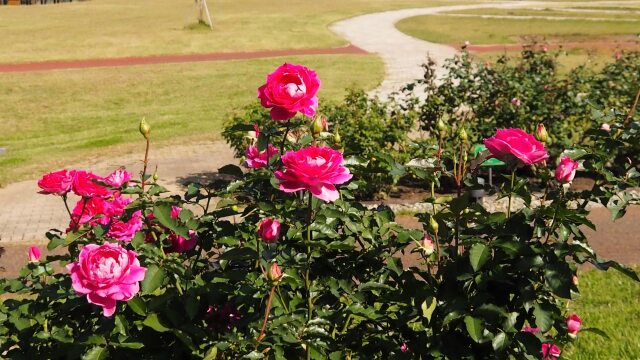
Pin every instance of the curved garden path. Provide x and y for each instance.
(26, 215)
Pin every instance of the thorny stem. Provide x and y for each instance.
(266, 314)
(555, 214)
(284, 138)
(145, 163)
(306, 277)
(513, 177)
(633, 109)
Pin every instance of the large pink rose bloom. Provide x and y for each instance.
(84, 185)
(515, 144)
(258, 159)
(290, 89)
(106, 273)
(118, 178)
(57, 182)
(566, 170)
(316, 169)
(550, 351)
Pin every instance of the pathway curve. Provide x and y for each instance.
(402, 54)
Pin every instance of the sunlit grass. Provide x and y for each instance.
(54, 118)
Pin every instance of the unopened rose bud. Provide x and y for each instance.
(275, 274)
(336, 137)
(145, 129)
(541, 133)
(318, 125)
(516, 102)
(618, 56)
(427, 245)
(462, 135)
(605, 127)
(433, 224)
(574, 280)
(269, 230)
(155, 174)
(566, 170)
(574, 323)
(34, 254)
(441, 126)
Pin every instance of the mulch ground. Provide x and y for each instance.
(168, 59)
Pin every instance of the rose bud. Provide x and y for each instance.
(462, 135)
(427, 245)
(574, 279)
(441, 126)
(574, 323)
(318, 125)
(269, 230)
(433, 224)
(404, 348)
(516, 102)
(34, 254)
(275, 274)
(566, 170)
(145, 129)
(605, 127)
(541, 133)
(336, 137)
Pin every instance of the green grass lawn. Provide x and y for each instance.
(549, 12)
(450, 30)
(611, 302)
(112, 28)
(55, 118)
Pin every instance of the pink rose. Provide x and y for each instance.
(566, 170)
(404, 348)
(34, 254)
(574, 323)
(106, 273)
(118, 178)
(58, 182)
(550, 351)
(269, 230)
(180, 244)
(90, 211)
(530, 329)
(316, 169)
(125, 230)
(515, 144)
(258, 159)
(516, 102)
(290, 89)
(84, 185)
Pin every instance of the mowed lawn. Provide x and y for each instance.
(56, 118)
(114, 28)
(451, 30)
(611, 302)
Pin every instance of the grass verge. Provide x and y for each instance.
(609, 301)
(56, 118)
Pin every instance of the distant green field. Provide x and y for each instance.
(611, 302)
(112, 28)
(450, 30)
(55, 118)
(550, 12)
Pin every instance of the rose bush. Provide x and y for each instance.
(211, 273)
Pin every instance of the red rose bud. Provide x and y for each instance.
(274, 274)
(318, 125)
(269, 230)
(145, 129)
(541, 133)
(34, 254)
(574, 323)
(566, 170)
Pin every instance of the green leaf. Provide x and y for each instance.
(96, 353)
(254, 355)
(55, 240)
(153, 278)
(428, 308)
(605, 265)
(542, 314)
(153, 322)
(129, 345)
(499, 342)
(478, 255)
(595, 331)
(474, 328)
(138, 306)
(558, 278)
(162, 213)
(212, 354)
(232, 170)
